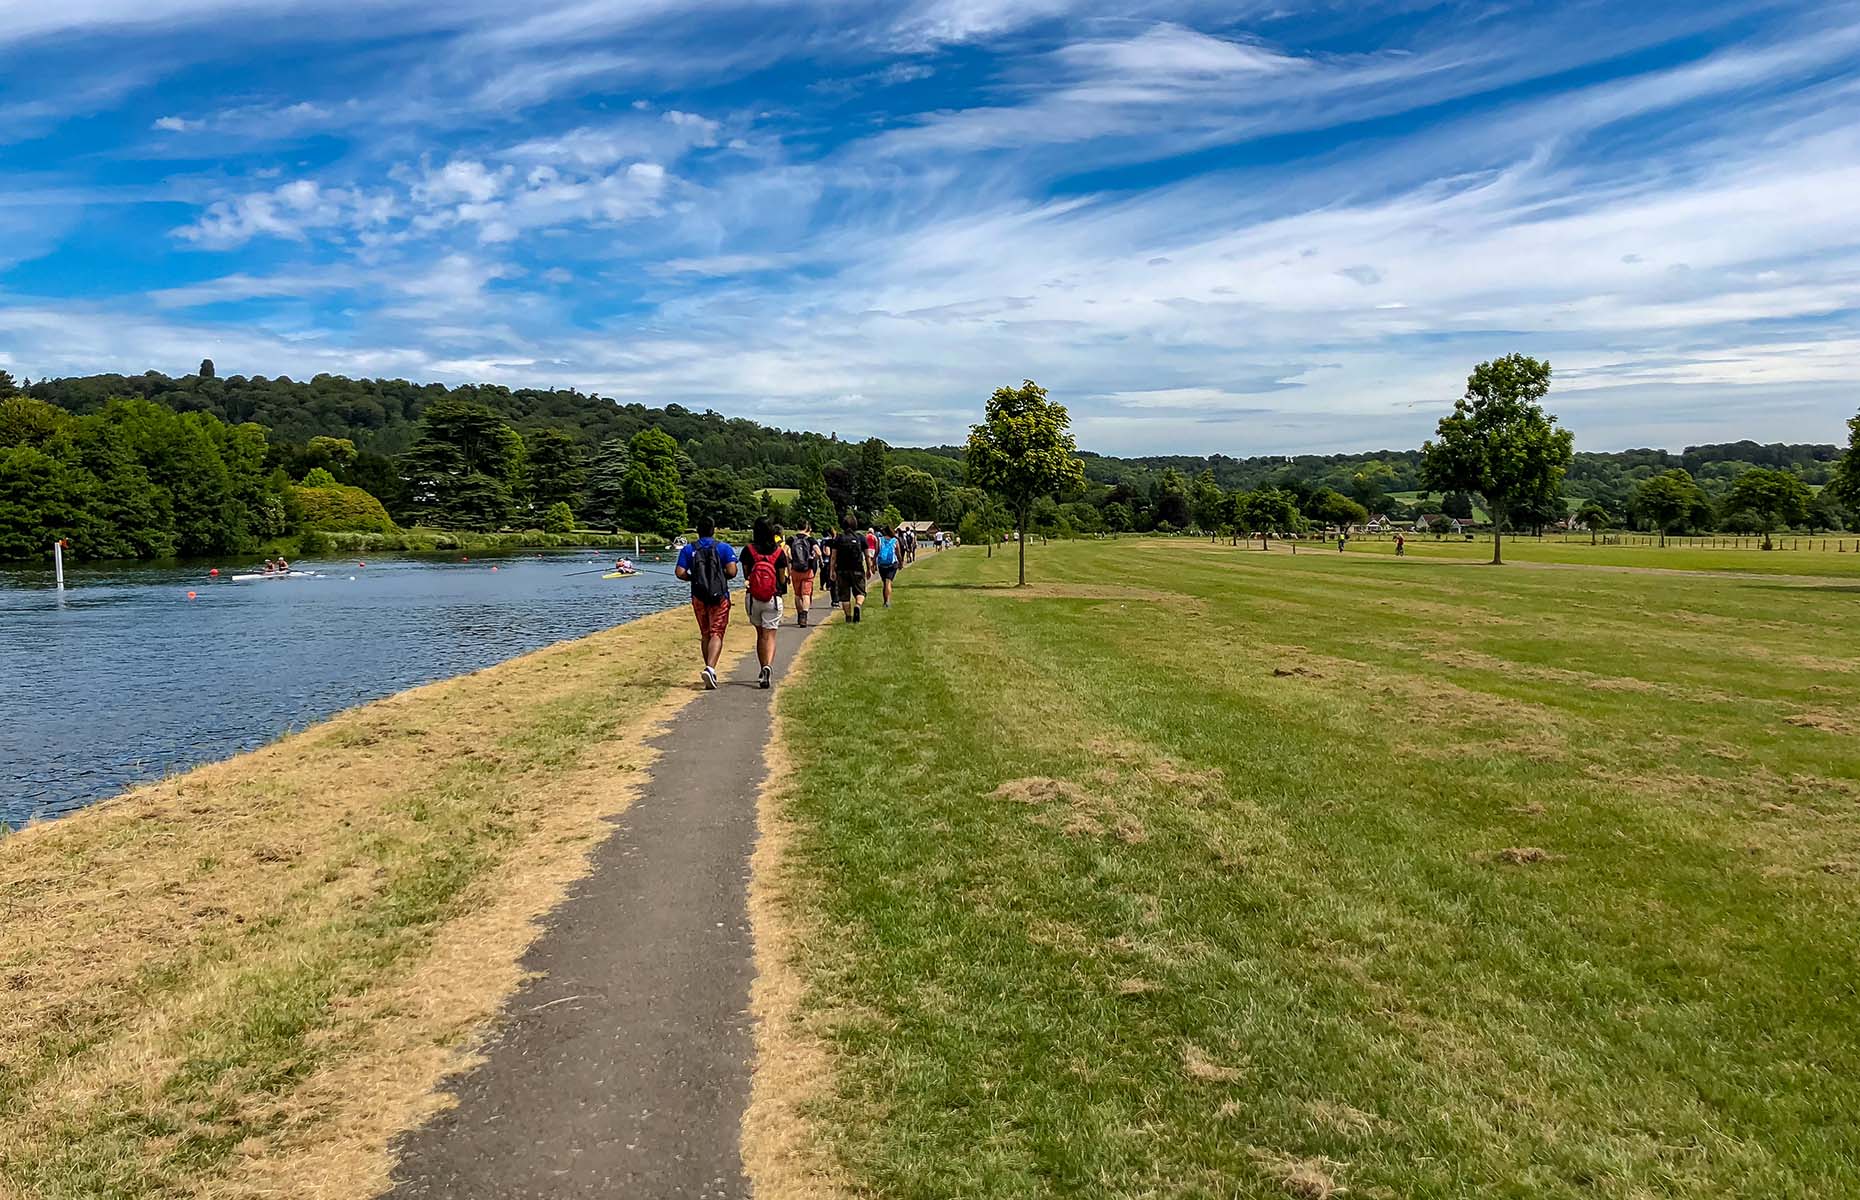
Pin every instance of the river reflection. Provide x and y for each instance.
(124, 679)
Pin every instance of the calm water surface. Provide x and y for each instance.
(125, 679)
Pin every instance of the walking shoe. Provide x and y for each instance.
(763, 680)
(803, 619)
(710, 680)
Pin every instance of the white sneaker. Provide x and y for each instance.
(764, 678)
(710, 679)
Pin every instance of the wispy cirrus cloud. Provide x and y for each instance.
(1206, 226)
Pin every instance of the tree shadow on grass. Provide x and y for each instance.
(967, 587)
(1851, 589)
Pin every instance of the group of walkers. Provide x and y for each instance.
(772, 564)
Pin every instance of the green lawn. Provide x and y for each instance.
(1193, 871)
(1840, 558)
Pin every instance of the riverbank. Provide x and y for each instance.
(244, 980)
(1194, 871)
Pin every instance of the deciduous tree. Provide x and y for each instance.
(1023, 450)
(1499, 442)
(653, 498)
(1771, 498)
(1668, 500)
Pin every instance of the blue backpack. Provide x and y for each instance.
(887, 551)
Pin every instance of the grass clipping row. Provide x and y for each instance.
(245, 980)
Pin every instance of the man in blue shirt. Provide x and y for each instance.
(709, 565)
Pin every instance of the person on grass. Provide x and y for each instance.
(803, 563)
(846, 559)
(765, 572)
(889, 558)
(871, 551)
(709, 565)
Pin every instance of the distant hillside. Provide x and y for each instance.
(381, 417)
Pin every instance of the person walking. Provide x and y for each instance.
(1401, 546)
(889, 558)
(803, 565)
(846, 559)
(765, 574)
(871, 551)
(709, 565)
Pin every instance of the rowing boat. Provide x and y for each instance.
(618, 574)
(253, 578)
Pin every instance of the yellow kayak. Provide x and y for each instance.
(618, 574)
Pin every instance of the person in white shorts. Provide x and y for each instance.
(765, 571)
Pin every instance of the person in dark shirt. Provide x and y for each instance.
(846, 554)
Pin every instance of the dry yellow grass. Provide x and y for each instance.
(244, 980)
(783, 1154)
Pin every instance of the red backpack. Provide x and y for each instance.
(762, 582)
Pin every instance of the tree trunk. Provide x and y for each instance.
(1498, 534)
(1766, 540)
(1662, 537)
(1020, 535)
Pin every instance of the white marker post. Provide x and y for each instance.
(58, 562)
(636, 547)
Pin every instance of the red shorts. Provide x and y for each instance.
(802, 577)
(712, 619)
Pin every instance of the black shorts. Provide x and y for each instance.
(852, 585)
(887, 571)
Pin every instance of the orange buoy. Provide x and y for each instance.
(215, 572)
(191, 595)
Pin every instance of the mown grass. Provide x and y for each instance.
(1747, 559)
(244, 980)
(1191, 871)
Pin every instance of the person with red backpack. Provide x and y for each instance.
(709, 565)
(766, 561)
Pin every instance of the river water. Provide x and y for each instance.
(125, 679)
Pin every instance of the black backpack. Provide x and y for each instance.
(708, 582)
(802, 554)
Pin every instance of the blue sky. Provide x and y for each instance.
(1249, 228)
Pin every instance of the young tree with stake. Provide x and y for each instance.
(1499, 442)
(1023, 450)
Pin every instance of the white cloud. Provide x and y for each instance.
(177, 124)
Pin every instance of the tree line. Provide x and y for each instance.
(375, 454)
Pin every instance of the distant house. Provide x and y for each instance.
(1377, 523)
(923, 529)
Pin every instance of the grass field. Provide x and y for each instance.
(1674, 557)
(242, 981)
(1190, 871)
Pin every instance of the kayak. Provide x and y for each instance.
(618, 574)
(274, 575)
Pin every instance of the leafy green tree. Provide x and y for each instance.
(1334, 508)
(871, 477)
(1668, 500)
(1266, 511)
(1442, 525)
(1457, 504)
(914, 492)
(1499, 442)
(1022, 450)
(1170, 506)
(206, 369)
(1369, 486)
(723, 495)
(1771, 498)
(558, 518)
(7, 385)
(1117, 517)
(317, 477)
(41, 500)
(1845, 483)
(1595, 518)
(652, 497)
(335, 507)
(28, 422)
(813, 507)
(129, 517)
(1208, 504)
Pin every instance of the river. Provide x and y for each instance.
(124, 679)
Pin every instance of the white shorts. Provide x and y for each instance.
(763, 614)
